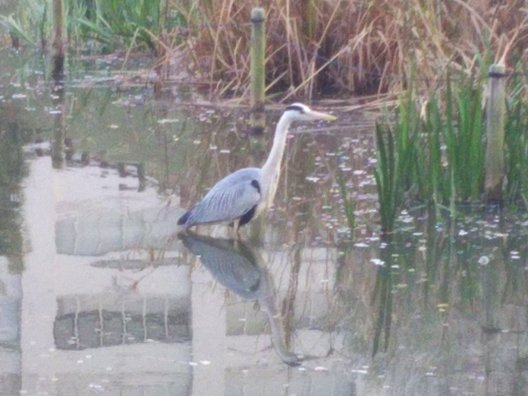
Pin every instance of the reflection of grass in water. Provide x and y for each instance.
(442, 286)
(12, 170)
(348, 203)
(119, 129)
(382, 296)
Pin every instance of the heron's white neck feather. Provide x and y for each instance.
(272, 166)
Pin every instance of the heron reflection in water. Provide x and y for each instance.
(243, 195)
(236, 266)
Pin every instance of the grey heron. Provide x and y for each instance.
(244, 194)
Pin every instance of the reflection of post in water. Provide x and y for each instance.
(161, 112)
(57, 74)
(435, 243)
(13, 170)
(445, 286)
(492, 337)
(382, 296)
(59, 130)
(288, 305)
(490, 285)
(239, 268)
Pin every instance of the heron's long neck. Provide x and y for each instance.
(272, 166)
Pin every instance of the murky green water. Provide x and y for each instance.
(99, 296)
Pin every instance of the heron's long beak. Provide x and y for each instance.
(322, 116)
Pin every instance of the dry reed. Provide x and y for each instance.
(352, 46)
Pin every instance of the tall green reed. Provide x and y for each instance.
(387, 181)
(516, 140)
(104, 25)
(31, 14)
(130, 22)
(396, 170)
(435, 153)
(466, 141)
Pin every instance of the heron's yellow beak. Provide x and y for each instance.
(322, 116)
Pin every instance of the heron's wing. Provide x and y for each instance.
(229, 199)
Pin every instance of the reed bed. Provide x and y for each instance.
(432, 153)
(516, 139)
(347, 46)
(313, 48)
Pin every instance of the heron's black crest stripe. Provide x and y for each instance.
(256, 184)
(182, 220)
(295, 107)
(246, 217)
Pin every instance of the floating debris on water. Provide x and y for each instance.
(515, 255)
(483, 260)
(377, 261)
(359, 371)
(168, 121)
(313, 179)
(96, 387)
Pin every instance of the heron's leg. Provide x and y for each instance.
(236, 228)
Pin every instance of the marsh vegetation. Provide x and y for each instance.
(387, 273)
(313, 48)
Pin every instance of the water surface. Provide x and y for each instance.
(99, 295)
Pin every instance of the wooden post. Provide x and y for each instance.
(495, 119)
(58, 40)
(258, 71)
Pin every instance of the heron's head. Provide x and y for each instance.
(301, 112)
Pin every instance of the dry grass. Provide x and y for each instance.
(352, 46)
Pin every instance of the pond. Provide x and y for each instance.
(99, 294)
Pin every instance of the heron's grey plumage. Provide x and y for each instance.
(229, 199)
(242, 195)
